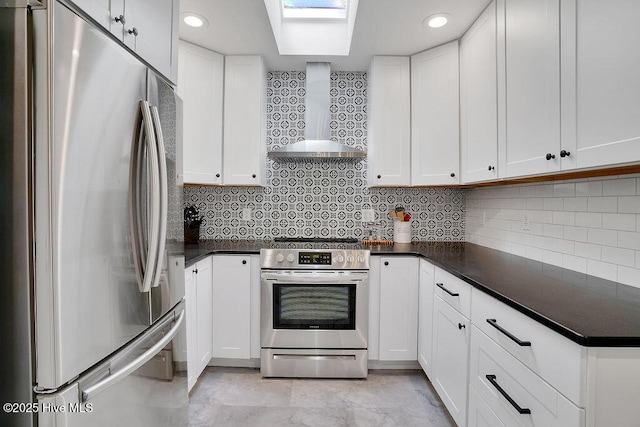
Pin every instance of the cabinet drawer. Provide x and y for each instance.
(559, 361)
(480, 415)
(516, 395)
(454, 291)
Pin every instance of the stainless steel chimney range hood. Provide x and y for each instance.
(317, 144)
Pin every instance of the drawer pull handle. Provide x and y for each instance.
(453, 294)
(494, 323)
(492, 380)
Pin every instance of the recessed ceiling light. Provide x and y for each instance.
(436, 21)
(194, 20)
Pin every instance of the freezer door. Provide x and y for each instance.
(88, 302)
(139, 386)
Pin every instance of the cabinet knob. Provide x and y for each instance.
(386, 263)
(461, 326)
(452, 174)
(550, 156)
(133, 31)
(217, 175)
(491, 168)
(564, 153)
(379, 176)
(244, 261)
(253, 176)
(120, 19)
(195, 271)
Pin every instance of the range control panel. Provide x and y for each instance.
(326, 259)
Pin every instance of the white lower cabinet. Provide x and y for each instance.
(425, 315)
(450, 358)
(232, 306)
(398, 308)
(198, 290)
(480, 415)
(516, 395)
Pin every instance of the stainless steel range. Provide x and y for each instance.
(314, 313)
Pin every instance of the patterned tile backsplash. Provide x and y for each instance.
(318, 199)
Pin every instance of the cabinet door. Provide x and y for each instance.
(425, 315)
(151, 30)
(450, 358)
(232, 306)
(600, 84)
(99, 10)
(200, 85)
(480, 415)
(192, 329)
(398, 308)
(389, 121)
(479, 99)
(532, 88)
(255, 306)
(244, 112)
(435, 141)
(204, 304)
(373, 343)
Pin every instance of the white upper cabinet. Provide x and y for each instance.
(389, 133)
(479, 99)
(148, 27)
(435, 141)
(244, 146)
(200, 85)
(531, 59)
(600, 84)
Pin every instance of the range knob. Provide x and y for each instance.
(360, 258)
(340, 258)
(290, 258)
(349, 259)
(279, 258)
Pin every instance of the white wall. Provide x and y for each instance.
(587, 225)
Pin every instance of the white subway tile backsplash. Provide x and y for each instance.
(574, 263)
(577, 234)
(587, 225)
(590, 220)
(564, 190)
(629, 204)
(629, 276)
(629, 240)
(602, 269)
(603, 204)
(619, 187)
(626, 257)
(602, 237)
(614, 221)
(588, 250)
(553, 204)
(576, 204)
(589, 188)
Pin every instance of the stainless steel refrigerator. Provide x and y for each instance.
(91, 299)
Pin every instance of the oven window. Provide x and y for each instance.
(314, 306)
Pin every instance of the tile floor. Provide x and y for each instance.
(240, 397)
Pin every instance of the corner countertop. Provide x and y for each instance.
(588, 310)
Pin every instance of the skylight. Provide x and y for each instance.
(314, 9)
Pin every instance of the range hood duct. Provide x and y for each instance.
(317, 144)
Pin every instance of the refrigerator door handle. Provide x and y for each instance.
(145, 256)
(163, 180)
(90, 392)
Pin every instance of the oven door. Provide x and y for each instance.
(314, 309)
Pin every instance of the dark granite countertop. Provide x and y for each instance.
(588, 310)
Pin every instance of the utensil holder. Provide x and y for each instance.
(401, 231)
(191, 235)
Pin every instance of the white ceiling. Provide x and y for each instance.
(383, 27)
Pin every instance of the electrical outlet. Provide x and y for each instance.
(526, 221)
(246, 214)
(368, 215)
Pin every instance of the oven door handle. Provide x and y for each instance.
(311, 279)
